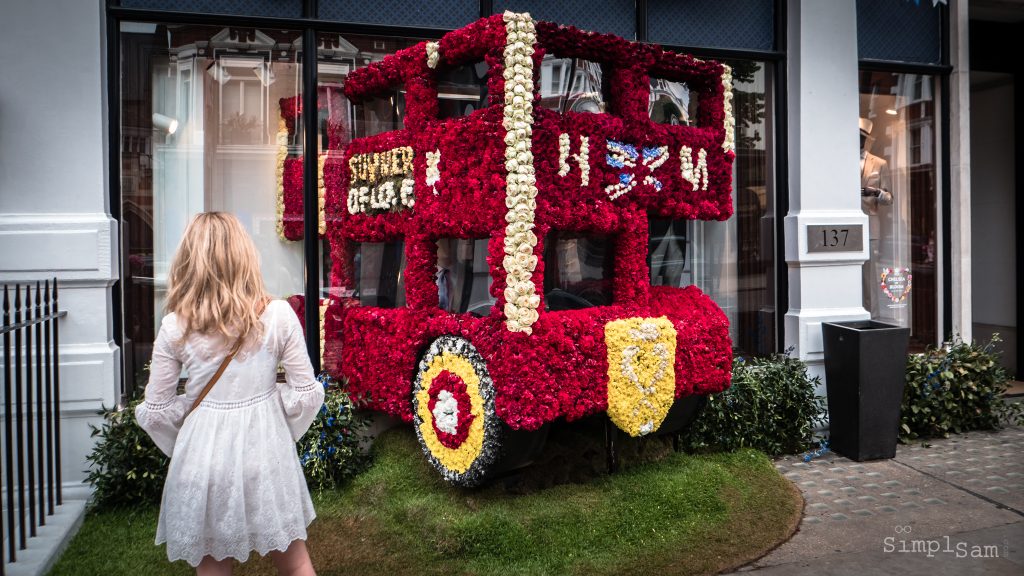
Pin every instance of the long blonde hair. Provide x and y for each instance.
(215, 283)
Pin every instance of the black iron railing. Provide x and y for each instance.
(31, 416)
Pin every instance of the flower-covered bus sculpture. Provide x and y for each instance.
(526, 182)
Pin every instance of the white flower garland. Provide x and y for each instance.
(433, 170)
(563, 154)
(583, 158)
(433, 54)
(321, 196)
(653, 163)
(729, 123)
(282, 153)
(698, 178)
(521, 299)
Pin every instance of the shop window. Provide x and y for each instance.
(672, 103)
(733, 261)
(899, 194)
(201, 130)
(380, 274)
(578, 270)
(461, 90)
(463, 276)
(571, 85)
(338, 55)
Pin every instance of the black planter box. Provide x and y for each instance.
(865, 369)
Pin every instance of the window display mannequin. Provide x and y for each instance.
(875, 199)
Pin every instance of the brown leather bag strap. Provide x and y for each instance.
(216, 376)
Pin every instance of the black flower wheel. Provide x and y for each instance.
(453, 411)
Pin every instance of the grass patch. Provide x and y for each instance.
(682, 514)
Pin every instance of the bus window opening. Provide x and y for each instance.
(571, 85)
(461, 90)
(667, 252)
(463, 278)
(578, 270)
(378, 115)
(380, 274)
(672, 103)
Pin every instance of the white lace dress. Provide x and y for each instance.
(235, 483)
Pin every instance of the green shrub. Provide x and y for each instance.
(771, 406)
(955, 389)
(125, 468)
(329, 451)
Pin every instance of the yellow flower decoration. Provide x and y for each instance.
(282, 153)
(641, 372)
(324, 305)
(454, 459)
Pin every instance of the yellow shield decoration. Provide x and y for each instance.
(641, 372)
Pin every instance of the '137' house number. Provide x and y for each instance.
(835, 238)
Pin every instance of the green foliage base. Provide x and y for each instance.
(683, 514)
(955, 389)
(771, 406)
(126, 469)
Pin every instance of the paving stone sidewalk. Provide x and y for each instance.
(927, 511)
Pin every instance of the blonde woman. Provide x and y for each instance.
(235, 483)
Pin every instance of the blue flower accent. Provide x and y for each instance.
(330, 421)
(331, 450)
(821, 451)
(629, 149)
(637, 167)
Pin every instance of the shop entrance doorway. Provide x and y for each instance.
(997, 183)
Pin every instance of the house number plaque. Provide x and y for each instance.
(835, 238)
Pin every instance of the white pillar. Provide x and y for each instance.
(54, 218)
(824, 180)
(960, 171)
